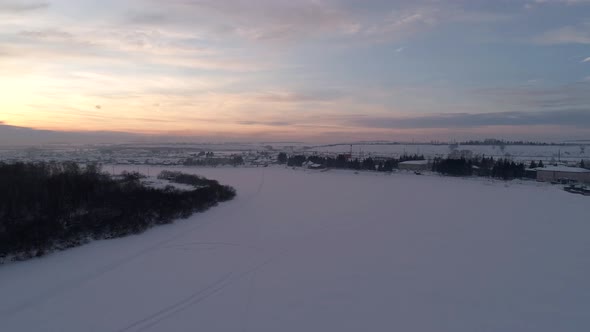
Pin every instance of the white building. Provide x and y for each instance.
(556, 173)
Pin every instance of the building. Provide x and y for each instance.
(415, 165)
(563, 173)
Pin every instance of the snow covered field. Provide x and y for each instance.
(333, 251)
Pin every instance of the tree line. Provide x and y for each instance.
(214, 161)
(54, 206)
(343, 161)
(478, 166)
(485, 166)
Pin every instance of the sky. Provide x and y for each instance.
(284, 70)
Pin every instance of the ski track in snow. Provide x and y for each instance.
(73, 284)
(195, 298)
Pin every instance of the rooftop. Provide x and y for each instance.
(563, 169)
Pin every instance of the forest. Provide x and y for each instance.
(53, 206)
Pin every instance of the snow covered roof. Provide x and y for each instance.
(414, 162)
(563, 169)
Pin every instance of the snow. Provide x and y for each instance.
(154, 182)
(300, 250)
(563, 169)
(415, 162)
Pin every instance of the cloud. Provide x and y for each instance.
(121, 40)
(263, 20)
(266, 123)
(286, 20)
(21, 6)
(579, 34)
(297, 96)
(47, 34)
(147, 18)
(557, 98)
(566, 2)
(15, 135)
(538, 3)
(406, 20)
(586, 60)
(123, 46)
(575, 118)
(208, 34)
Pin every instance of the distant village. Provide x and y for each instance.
(457, 162)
